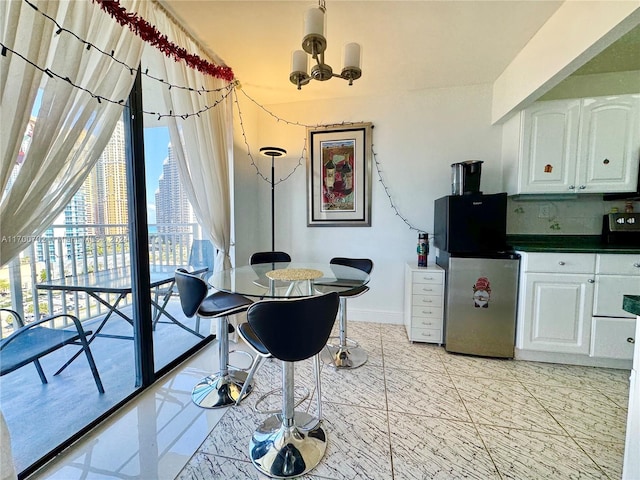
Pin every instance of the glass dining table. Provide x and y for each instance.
(288, 279)
(267, 281)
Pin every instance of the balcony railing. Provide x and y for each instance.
(78, 249)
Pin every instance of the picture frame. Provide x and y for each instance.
(339, 175)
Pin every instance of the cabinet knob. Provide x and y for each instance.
(637, 265)
(631, 340)
(572, 187)
(591, 280)
(560, 263)
(582, 187)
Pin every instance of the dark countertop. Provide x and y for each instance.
(631, 304)
(567, 244)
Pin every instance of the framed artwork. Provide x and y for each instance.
(339, 176)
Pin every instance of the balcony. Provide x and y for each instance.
(77, 249)
(42, 416)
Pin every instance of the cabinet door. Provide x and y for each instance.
(558, 312)
(609, 293)
(550, 147)
(613, 337)
(609, 144)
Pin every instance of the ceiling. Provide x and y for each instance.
(406, 45)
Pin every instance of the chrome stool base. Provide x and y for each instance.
(344, 357)
(216, 391)
(279, 451)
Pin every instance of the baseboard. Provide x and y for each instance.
(572, 359)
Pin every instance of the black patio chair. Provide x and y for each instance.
(28, 343)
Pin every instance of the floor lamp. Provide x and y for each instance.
(273, 152)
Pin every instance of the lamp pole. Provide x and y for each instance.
(273, 152)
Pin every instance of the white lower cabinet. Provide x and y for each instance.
(570, 308)
(557, 312)
(424, 303)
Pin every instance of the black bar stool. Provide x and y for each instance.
(224, 387)
(292, 331)
(347, 353)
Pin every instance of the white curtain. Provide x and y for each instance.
(202, 144)
(70, 128)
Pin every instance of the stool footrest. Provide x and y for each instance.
(301, 398)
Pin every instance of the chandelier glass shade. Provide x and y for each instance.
(314, 44)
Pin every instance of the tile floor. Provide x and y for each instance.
(413, 411)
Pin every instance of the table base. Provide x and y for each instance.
(279, 451)
(344, 356)
(217, 391)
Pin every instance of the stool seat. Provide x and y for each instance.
(219, 303)
(249, 335)
(354, 292)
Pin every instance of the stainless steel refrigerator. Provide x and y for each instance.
(481, 299)
(481, 276)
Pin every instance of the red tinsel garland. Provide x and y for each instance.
(151, 35)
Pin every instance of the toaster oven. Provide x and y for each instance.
(621, 229)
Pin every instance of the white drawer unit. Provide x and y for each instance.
(610, 264)
(559, 262)
(423, 304)
(613, 337)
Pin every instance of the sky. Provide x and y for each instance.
(156, 143)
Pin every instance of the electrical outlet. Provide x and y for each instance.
(543, 211)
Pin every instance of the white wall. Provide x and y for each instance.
(416, 136)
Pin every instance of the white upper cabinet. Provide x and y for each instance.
(589, 145)
(609, 144)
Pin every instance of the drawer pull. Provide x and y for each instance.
(425, 334)
(427, 289)
(560, 262)
(631, 340)
(427, 312)
(637, 265)
(591, 280)
(430, 323)
(424, 300)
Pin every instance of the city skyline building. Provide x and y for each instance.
(109, 191)
(174, 213)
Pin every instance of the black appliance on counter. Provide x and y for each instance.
(465, 177)
(621, 229)
(472, 223)
(481, 284)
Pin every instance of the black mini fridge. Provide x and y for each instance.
(481, 285)
(472, 223)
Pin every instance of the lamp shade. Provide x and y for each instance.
(352, 55)
(314, 22)
(299, 61)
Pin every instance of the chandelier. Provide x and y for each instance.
(314, 43)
